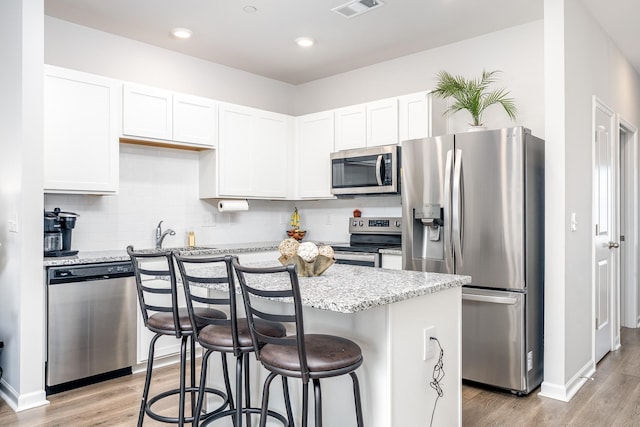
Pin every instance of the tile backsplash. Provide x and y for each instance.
(162, 184)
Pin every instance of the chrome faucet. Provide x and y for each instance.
(160, 235)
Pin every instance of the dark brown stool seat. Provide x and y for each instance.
(310, 357)
(162, 315)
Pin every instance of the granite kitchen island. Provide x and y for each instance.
(386, 312)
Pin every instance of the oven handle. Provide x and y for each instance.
(357, 258)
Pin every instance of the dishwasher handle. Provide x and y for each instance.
(490, 299)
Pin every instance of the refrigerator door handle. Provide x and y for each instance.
(378, 171)
(494, 300)
(457, 206)
(447, 212)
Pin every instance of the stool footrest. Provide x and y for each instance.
(174, 420)
(231, 412)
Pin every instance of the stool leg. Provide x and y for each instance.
(287, 400)
(265, 399)
(203, 384)
(192, 359)
(238, 416)
(356, 396)
(183, 362)
(305, 403)
(147, 380)
(227, 382)
(247, 387)
(318, 402)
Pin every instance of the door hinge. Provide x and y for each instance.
(596, 229)
(622, 238)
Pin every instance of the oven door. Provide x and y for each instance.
(366, 259)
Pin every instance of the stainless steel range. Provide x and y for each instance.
(368, 236)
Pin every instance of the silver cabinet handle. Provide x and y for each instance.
(614, 245)
(495, 300)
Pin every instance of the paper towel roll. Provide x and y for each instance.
(233, 205)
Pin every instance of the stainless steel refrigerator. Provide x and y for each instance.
(473, 204)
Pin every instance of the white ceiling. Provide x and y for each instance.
(263, 42)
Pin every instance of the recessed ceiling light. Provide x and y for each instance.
(250, 9)
(181, 33)
(305, 41)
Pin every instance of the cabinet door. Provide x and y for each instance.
(382, 122)
(81, 127)
(194, 120)
(147, 112)
(272, 168)
(351, 130)
(315, 142)
(421, 116)
(236, 157)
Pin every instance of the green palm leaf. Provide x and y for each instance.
(473, 95)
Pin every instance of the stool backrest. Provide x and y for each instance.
(201, 273)
(279, 283)
(157, 285)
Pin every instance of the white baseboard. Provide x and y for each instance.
(21, 402)
(565, 392)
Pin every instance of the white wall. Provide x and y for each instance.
(518, 52)
(21, 290)
(589, 64)
(85, 49)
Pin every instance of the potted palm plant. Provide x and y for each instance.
(473, 95)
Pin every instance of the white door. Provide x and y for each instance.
(605, 241)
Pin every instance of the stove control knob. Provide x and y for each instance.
(398, 223)
(361, 223)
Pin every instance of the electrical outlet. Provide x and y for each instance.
(429, 346)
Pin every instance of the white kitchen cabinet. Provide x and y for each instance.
(367, 125)
(81, 127)
(382, 122)
(253, 153)
(392, 261)
(194, 120)
(315, 135)
(350, 127)
(421, 116)
(158, 114)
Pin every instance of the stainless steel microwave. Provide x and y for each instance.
(374, 170)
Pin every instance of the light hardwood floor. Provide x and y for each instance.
(612, 398)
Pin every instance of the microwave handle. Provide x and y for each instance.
(379, 170)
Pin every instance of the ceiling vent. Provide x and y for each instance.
(357, 7)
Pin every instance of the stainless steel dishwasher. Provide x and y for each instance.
(91, 324)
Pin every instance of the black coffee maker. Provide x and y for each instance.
(57, 232)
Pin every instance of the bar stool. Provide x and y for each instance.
(159, 304)
(305, 356)
(224, 335)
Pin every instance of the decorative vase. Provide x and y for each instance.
(476, 128)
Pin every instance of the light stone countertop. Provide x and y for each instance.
(350, 288)
(92, 257)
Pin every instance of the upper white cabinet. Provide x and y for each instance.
(382, 122)
(367, 125)
(314, 138)
(81, 128)
(350, 127)
(152, 113)
(421, 116)
(254, 152)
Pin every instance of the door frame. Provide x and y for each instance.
(614, 299)
(629, 303)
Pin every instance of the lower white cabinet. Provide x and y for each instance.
(392, 262)
(81, 129)
(315, 134)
